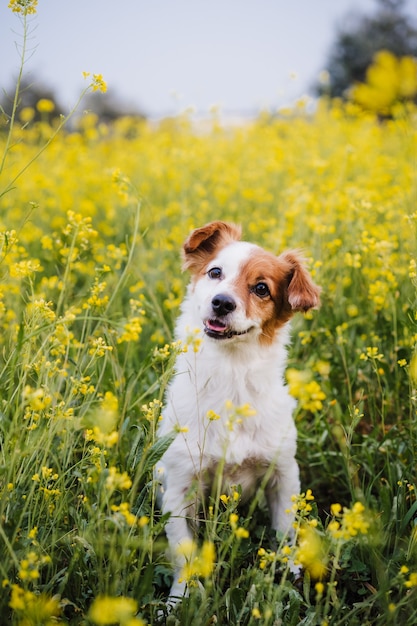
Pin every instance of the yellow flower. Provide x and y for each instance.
(311, 552)
(34, 609)
(198, 563)
(269, 557)
(117, 480)
(106, 610)
(131, 330)
(106, 439)
(193, 339)
(26, 7)
(181, 429)
(99, 83)
(412, 580)
(372, 353)
(123, 508)
(336, 509)
(45, 106)
(207, 558)
(388, 80)
(352, 310)
(238, 531)
(241, 533)
(212, 416)
(22, 269)
(27, 114)
(353, 522)
(106, 415)
(233, 519)
(305, 390)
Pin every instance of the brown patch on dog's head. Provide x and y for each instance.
(290, 288)
(203, 243)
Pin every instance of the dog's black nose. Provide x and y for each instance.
(222, 304)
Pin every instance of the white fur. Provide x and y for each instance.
(238, 370)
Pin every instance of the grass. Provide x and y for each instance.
(90, 233)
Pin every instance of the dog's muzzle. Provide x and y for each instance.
(217, 327)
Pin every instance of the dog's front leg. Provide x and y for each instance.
(283, 485)
(179, 535)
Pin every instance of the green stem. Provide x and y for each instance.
(62, 123)
(16, 95)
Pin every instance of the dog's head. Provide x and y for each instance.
(240, 289)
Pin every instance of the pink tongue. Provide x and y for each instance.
(216, 326)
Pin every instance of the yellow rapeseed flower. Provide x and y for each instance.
(25, 7)
(351, 522)
(117, 480)
(199, 563)
(107, 610)
(27, 114)
(312, 552)
(388, 80)
(412, 580)
(306, 390)
(99, 84)
(44, 105)
(212, 415)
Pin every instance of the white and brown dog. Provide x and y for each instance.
(242, 298)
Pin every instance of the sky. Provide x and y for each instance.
(165, 56)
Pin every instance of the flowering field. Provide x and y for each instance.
(90, 233)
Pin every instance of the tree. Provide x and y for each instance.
(391, 28)
(109, 107)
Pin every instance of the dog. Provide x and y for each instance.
(241, 298)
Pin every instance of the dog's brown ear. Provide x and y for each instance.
(303, 294)
(202, 243)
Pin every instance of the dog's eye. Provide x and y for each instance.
(215, 273)
(261, 290)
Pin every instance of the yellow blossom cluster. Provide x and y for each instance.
(107, 610)
(25, 7)
(307, 390)
(90, 287)
(33, 608)
(199, 562)
(349, 522)
(389, 82)
(238, 531)
(235, 414)
(318, 550)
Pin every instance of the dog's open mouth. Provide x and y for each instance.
(217, 329)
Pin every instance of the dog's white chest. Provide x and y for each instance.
(229, 413)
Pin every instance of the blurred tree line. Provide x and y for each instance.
(357, 42)
(34, 94)
(390, 28)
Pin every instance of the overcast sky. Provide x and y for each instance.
(162, 56)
